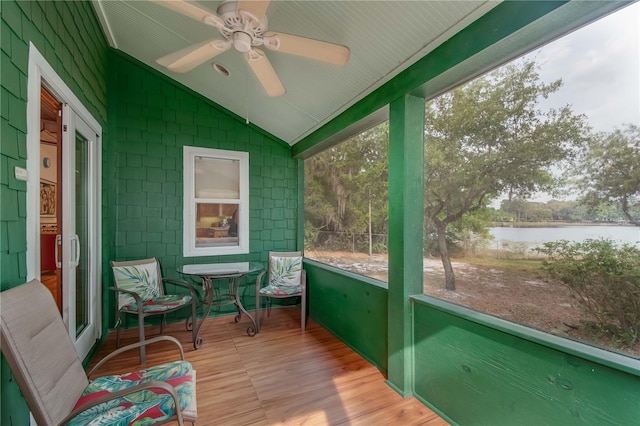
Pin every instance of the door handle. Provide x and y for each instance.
(57, 251)
(76, 255)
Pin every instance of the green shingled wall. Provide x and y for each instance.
(153, 118)
(68, 35)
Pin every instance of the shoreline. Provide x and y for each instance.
(556, 224)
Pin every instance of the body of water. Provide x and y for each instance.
(620, 234)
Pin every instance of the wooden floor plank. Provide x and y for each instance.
(282, 376)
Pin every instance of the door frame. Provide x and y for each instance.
(42, 74)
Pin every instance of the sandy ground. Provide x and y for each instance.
(520, 296)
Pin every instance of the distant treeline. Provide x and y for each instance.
(557, 211)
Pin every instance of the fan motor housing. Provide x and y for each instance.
(242, 28)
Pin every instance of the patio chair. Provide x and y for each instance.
(141, 292)
(285, 278)
(50, 376)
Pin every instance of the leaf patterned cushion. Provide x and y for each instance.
(159, 304)
(139, 408)
(141, 279)
(284, 276)
(274, 290)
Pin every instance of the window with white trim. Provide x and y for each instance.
(216, 202)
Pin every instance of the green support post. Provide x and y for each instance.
(406, 216)
(300, 206)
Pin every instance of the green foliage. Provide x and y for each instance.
(604, 278)
(464, 236)
(488, 138)
(527, 211)
(310, 236)
(520, 210)
(610, 171)
(341, 183)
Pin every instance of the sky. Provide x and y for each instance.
(600, 68)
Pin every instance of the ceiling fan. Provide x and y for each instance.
(243, 26)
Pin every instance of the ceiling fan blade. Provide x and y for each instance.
(258, 8)
(190, 57)
(265, 73)
(185, 8)
(307, 47)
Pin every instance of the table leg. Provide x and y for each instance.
(251, 330)
(208, 300)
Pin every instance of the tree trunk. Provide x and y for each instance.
(627, 213)
(449, 276)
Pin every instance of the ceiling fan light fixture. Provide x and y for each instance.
(221, 69)
(271, 41)
(242, 41)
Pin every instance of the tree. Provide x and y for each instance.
(342, 182)
(487, 138)
(566, 211)
(610, 169)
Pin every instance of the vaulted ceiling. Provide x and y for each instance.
(384, 38)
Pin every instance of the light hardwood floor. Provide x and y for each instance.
(281, 376)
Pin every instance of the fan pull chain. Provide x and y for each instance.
(247, 92)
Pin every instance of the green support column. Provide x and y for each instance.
(406, 216)
(300, 207)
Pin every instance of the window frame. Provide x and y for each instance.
(189, 247)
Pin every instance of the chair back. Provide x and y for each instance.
(40, 352)
(140, 276)
(285, 269)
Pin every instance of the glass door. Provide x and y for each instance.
(63, 161)
(80, 230)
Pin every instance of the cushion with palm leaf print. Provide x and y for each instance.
(141, 279)
(284, 278)
(139, 408)
(159, 304)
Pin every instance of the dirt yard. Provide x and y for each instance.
(517, 295)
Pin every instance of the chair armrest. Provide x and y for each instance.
(135, 346)
(135, 295)
(154, 384)
(195, 294)
(129, 292)
(180, 283)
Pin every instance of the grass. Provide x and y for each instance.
(512, 264)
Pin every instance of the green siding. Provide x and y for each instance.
(471, 371)
(68, 35)
(352, 307)
(153, 117)
(475, 370)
